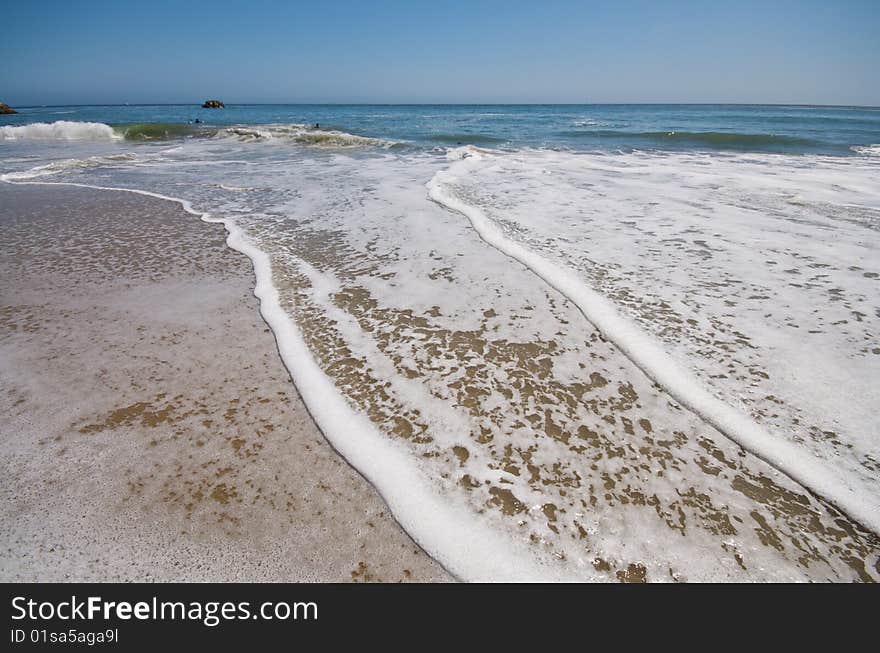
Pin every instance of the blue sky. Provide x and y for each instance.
(91, 51)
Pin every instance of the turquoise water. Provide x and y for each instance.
(784, 129)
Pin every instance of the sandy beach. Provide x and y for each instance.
(150, 430)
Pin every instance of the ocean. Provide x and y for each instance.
(565, 342)
(742, 128)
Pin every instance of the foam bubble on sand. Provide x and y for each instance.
(650, 356)
(64, 130)
(442, 524)
(727, 261)
(520, 414)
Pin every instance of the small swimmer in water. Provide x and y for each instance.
(317, 126)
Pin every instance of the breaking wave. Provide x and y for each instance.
(867, 150)
(150, 131)
(302, 135)
(64, 130)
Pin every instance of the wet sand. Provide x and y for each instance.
(150, 431)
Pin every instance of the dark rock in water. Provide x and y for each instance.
(213, 104)
(5, 108)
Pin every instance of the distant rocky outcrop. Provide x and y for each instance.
(213, 104)
(5, 108)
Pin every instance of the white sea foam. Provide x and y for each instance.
(360, 215)
(69, 165)
(235, 189)
(867, 150)
(464, 152)
(442, 525)
(489, 357)
(840, 487)
(64, 130)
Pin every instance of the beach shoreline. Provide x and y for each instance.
(152, 431)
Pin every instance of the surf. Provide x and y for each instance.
(464, 385)
(651, 357)
(300, 134)
(63, 130)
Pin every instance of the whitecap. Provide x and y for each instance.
(64, 130)
(867, 150)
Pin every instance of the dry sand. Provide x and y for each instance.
(149, 429)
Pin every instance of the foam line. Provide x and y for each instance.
(650, 357)
(445, 527)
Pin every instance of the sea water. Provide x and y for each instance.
(564, 342)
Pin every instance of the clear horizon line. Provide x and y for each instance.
(451, 104)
